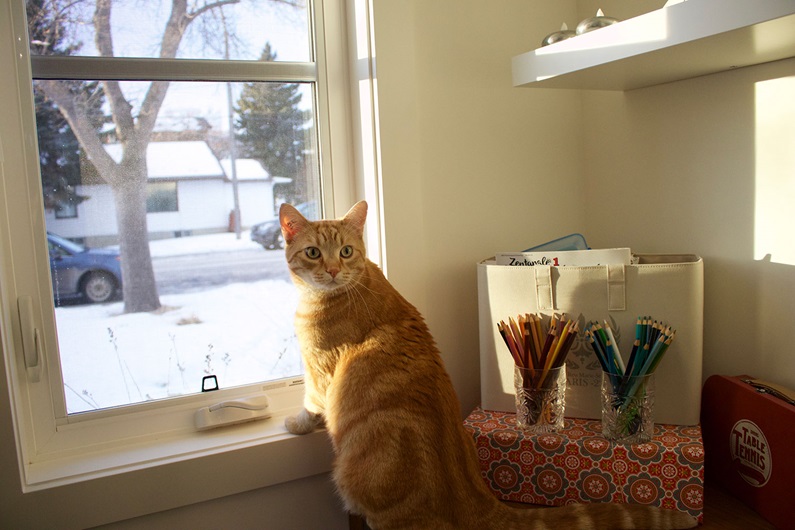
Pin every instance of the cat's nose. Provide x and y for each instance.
(333, 272)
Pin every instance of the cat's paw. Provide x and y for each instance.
(303, 423)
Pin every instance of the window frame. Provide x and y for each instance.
(56, 451)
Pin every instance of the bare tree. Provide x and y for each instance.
(128, 177)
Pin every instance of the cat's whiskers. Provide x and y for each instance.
(358, 282)
(353, 286)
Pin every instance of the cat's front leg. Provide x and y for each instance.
(311, 416)
(304, 422)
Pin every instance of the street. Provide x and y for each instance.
(182, 274)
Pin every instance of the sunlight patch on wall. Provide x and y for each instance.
(775, 171)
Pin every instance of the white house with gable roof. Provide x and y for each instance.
(190, 191)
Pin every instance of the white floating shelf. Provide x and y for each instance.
(689, 39)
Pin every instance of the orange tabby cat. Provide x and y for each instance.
(375, 378)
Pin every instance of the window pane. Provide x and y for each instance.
(235, 31)
(66, 210)
(161, 197)
(224, 305)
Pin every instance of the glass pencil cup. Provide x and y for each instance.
(540, 398)
(627, 408)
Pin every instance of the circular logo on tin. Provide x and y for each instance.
(750, 453)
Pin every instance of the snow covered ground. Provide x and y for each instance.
(241, 333)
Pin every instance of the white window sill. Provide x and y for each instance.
(260, 436)
(181, 470)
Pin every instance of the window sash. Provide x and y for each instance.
(47, 435)
(173, 70)
(130, 69)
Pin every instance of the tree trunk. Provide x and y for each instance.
(127, 179)
(140, 289)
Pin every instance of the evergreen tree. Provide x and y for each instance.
(59, 149)
(133, 125)
(271, 128)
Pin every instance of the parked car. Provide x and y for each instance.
(269, 233)
(80, 273)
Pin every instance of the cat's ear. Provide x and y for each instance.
(356, 216)
(291, 221)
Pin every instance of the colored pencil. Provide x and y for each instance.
(534, 348)
(616, 350)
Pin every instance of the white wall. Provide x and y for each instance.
(96, 216)
(305, 504)
(620, 9)
(697, 147)
(198, 207)
(256, 202)
(471, 166)
(679, 165)
(202, 205)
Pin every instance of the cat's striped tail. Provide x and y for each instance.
(600, 516)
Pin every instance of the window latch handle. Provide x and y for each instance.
(31, 340)
(253, 403)
(233, 411)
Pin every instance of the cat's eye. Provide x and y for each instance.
(312, 252)
(347, 251)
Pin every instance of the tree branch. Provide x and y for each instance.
(172, 36)
(208, 7)
(178, 21)
(68, 103)
(121, 109)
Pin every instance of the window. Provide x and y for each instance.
(66, 210)
(161, 197)
(180, 317)
(226, 120)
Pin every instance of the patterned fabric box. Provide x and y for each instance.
(578, 465)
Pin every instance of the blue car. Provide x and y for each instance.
(80, 273)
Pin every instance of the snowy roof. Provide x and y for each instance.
(194, 160)
(175, 160)
(250, 169)
(246, 169)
